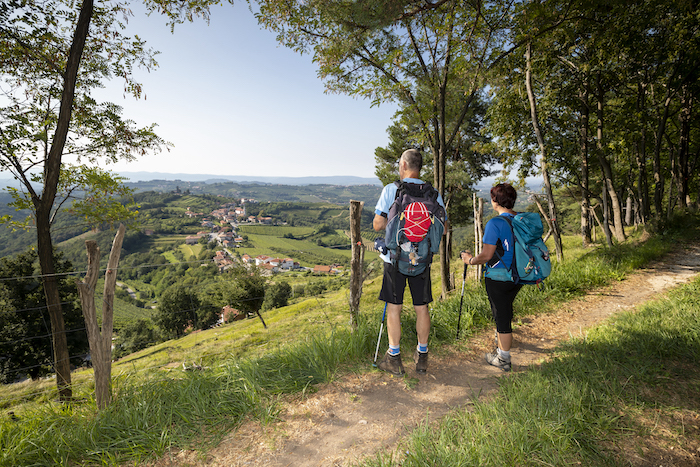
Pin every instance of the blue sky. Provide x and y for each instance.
(234, 102)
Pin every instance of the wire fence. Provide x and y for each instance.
(85, 385)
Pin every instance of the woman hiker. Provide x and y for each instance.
(498, 253)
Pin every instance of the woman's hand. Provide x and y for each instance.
(466, 256)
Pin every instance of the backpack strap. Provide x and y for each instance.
(400, 188)
(510, 224)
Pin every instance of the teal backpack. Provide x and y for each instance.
(531, 263)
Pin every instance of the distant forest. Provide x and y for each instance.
(335, 194)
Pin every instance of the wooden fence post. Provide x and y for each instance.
(478, 204)
(101, 342)
(358, 255)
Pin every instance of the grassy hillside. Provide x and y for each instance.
(245, 368)
(306, 245)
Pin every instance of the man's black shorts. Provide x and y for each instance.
(394, 281)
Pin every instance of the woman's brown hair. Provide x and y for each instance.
(504, 194)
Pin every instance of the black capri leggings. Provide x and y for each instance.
(501, 296)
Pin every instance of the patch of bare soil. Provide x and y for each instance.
(361, 414)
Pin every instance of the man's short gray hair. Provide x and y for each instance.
(413, 158)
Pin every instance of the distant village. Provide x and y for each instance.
(217, 228)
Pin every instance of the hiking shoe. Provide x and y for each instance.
(496, 360)
(421, 359)
(391, 364)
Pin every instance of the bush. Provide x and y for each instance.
(277, 295)
(298, 290)
(136, 336)
(316, 288)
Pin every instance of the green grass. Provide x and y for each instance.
(269, 240)
(157, 406)
(596, 395)
(190, 250)
(124, 312)
(166, 240)
(275, 230)
(153, 410)
(307, 253)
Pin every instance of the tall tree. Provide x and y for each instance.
(622, 67)
(468, 160)
(544, 156)
(413, 52)
(242, 288)
(17, 147)
(177, 310)
(52, 54)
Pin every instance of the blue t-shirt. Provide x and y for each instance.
(496, 230)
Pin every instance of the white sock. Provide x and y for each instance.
(504, 354)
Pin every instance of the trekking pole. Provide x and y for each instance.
(461, 299)
(381, 328)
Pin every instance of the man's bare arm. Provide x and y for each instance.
(379, 222)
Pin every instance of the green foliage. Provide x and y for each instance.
(315, 287)
(136, 336)
(277, 295)
(467, 162)
(244, 289)
(177, 309)
(25, 335)
(208, 312)
(104, 196)
(32, 124)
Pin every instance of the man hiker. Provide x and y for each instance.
(394, 282)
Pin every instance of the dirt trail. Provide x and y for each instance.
(360, 414)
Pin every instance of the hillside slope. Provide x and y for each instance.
(361, 414)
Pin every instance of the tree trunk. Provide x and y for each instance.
(629, 212)
(583, 150)
(602, 227)
(550, 229)
(543, 153)
(478, 205)
(674, 194)
(641, 156)
(684, 118)
(61, 357)
(439, 179)
(606, 217)
(44, 204)
(356, 261)
(607, 170)
(101, 342)
(659, 180)
(445, 261)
